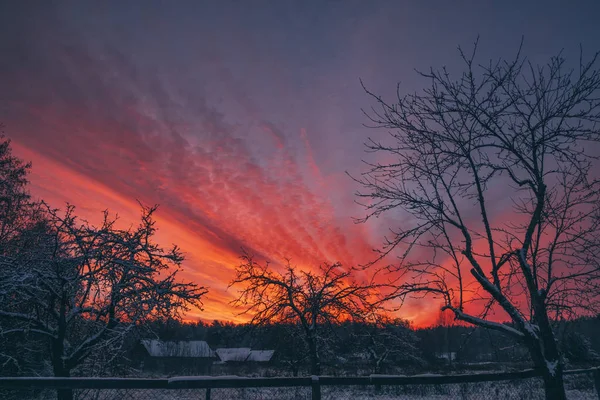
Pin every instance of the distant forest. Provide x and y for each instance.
(422, 349)
(350, 348)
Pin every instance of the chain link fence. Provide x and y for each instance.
(580, 385)
(509, 390)
(270, 393)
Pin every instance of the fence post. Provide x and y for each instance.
(207, 393)
(316, 388)
(597, 381)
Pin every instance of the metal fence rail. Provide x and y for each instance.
(581, 384)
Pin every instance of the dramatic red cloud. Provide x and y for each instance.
(102, 134)
(277, 220)
(216, 197)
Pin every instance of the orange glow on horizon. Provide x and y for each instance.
(207, 262)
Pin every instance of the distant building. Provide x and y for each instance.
(174, 357)
(241, 361)
(243, 355)
(235, 354)
(260, 355)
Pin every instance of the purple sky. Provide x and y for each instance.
(239, 118)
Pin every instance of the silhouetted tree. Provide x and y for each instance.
(16, 207)
(18, 354)
(310, 300)
(82, 288)
(524, 131)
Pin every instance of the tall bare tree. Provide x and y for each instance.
(311, 300)
(500, 130)
(81, 288)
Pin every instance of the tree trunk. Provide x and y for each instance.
(315, 362)
(63, 394)
(58, 349)
(552, 364)
(551, 368)
(59, 369)
(554, 385)
(546, 358)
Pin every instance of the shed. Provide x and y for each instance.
(234, 354)
(193, 356)
(260, 355)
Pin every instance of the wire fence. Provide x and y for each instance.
(524, 385)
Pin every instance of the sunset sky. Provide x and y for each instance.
(240, 118)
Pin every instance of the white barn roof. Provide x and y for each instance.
(194, 348)
(260, 355)
(233, 354)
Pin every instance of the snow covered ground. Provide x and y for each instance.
(329, 393)
(579, 387)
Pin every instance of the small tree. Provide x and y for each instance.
(528, 133)
(310, 300)
(81, 288)
(386, 341)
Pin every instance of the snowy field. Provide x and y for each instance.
(512, 392)
(579, 387)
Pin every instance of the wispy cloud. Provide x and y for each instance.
(103, 132)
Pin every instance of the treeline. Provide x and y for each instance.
(395, 348)
(577, 339)
(348, 348)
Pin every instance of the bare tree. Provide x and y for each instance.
(501, 130)
(82, 287)
(310, 300)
